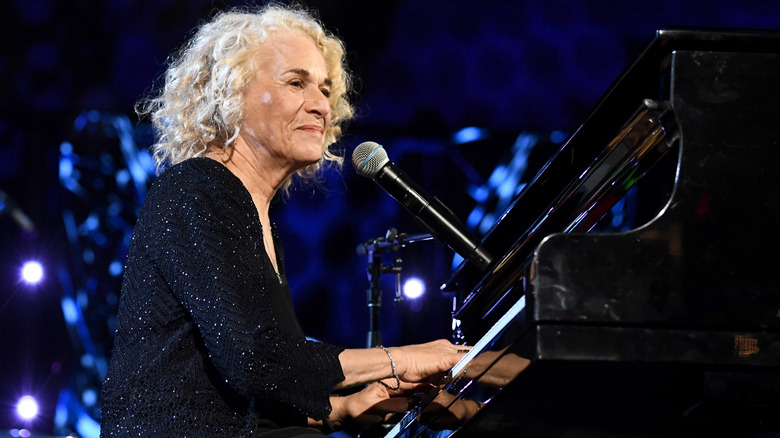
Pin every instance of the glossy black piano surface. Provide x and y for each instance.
(671, 329)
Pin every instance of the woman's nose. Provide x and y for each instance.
(317, 102)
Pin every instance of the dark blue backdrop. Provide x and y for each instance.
(426, 69)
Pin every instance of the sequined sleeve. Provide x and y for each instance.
(207, 242)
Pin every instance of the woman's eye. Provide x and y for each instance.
(325, 92)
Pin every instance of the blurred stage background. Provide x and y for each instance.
(469, 98)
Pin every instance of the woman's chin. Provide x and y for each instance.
(308, 161)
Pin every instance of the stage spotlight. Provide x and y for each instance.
(469, 134)
(115, 268)
(27, 408)
(89, 397)
(414, 288)
(32, 272)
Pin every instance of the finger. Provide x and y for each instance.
(463, 349)
(405, 386)
(393, 404)
(414, 386)
(422, 387)
(392, 386)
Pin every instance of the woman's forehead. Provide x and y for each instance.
(290, 50)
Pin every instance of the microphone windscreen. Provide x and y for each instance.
(368, 158)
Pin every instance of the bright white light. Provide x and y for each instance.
(27, 407)
(32, 272)
(414, 288)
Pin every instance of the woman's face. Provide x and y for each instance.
(286, 104)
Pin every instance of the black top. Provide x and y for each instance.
(207, 342)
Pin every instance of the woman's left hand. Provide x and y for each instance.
(427, 362)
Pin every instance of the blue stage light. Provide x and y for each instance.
(32, 272)
(469, 134)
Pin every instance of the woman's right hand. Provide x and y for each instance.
(374, 404)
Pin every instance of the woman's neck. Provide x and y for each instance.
(261, 177)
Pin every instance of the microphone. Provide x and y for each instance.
(370, 160)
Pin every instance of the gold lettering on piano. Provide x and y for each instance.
(745, 345)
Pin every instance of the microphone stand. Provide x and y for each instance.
(391, 242)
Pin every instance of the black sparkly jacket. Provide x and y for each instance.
(207, 343)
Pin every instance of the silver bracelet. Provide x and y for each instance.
(395, 373)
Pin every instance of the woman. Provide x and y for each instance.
(207, 343)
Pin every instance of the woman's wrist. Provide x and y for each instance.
(367, 365)
(397, 385)
(400, 361)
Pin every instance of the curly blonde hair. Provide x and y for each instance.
(202, 102)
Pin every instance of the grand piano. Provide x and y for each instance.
(670, 329)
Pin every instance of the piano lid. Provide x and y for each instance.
(646, 78)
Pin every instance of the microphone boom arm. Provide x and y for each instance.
(432, 211)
